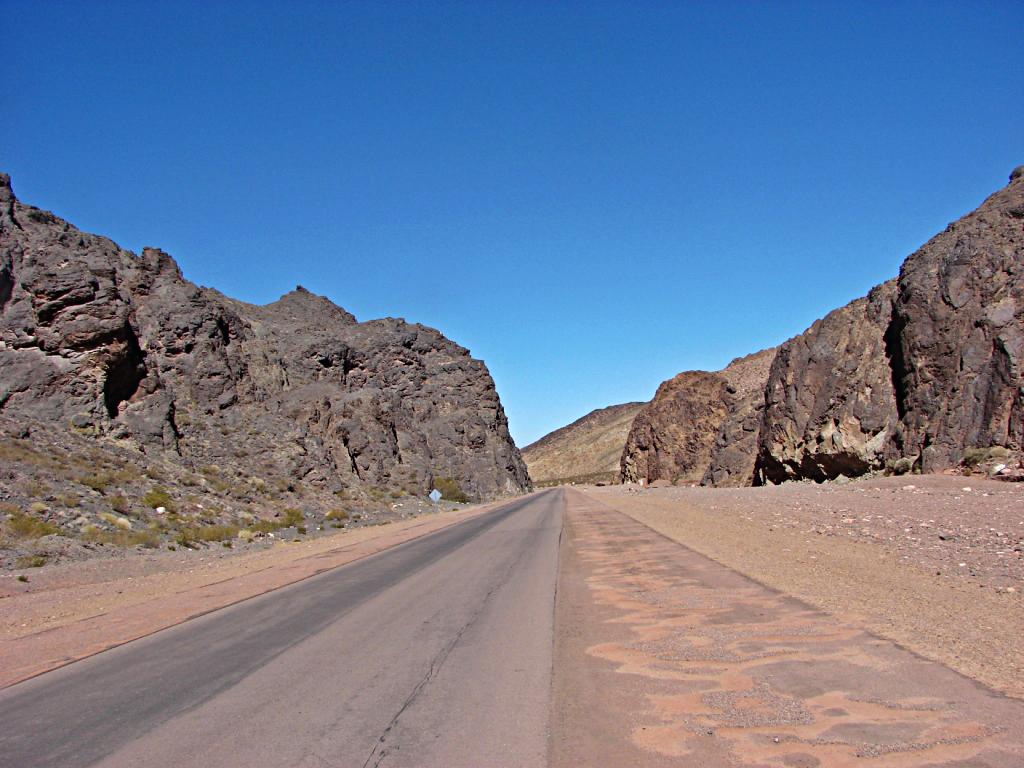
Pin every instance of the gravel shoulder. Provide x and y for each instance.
(70, 611)
(922, 560)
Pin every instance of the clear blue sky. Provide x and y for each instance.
(592, 197)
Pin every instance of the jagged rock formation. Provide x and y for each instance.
(957, 335)
(830, 407)
(735, 447)
(587, 450)
(700, 426)
(123, 347)
(914, 375)
(924, 368)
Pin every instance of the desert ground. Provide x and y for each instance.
(801, 625)
(933, 562)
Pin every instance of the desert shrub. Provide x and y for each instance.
(292, 516)
(70, 500)
(155, 473)
(118, 522)
(157, 496)
(121, 538)
(24, 526)
(30, 561)
(266, 526)
(193, 533)
(98, 482)
(119, 504)
(902, 466)
(450, 489)
(336, 514)
(975, 456)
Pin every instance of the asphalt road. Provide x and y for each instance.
(437, 652)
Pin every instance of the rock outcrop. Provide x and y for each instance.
(924, 370)
(829, 407)
(588, 450)
(957, 335)
(122, 347)
(735, 447)
(699, 427)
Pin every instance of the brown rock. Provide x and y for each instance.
(958, 335)
(830, 408)
(122, 347)
(735, 448)
(673, 436)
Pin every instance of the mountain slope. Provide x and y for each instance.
(589, 448)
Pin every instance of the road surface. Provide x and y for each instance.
(551, 631)
(435, 652)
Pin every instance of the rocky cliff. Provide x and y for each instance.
(925, 369)
(588, 450)
(700, 426)
(957, 335)
(123, 348)
(829, 405)
(920, 371)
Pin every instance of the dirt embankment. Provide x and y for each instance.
(933, 562)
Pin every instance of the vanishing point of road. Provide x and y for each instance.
(551, 630)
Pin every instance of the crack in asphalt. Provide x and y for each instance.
(380, 750)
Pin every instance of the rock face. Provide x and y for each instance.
(957, 335)
(830, 407)
(699, 426)
(923, 371)
(123, 347)
(587, 450)
(735, 447)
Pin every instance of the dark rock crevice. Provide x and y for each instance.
(125, 371)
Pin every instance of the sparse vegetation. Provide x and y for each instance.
(122, 538)
(450, 489)
(266, 526)
(157, 496)
(25, 526)
(31, 561)
(975, 456)
(205, 533)
(292, 516)
(98, 483)
(118, 522)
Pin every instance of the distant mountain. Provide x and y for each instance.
(587, 450)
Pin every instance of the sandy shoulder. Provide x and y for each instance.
(71, 611)
(922, 562)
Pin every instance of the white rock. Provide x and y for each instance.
(967, 489)
(997, 469)
(161, 510)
